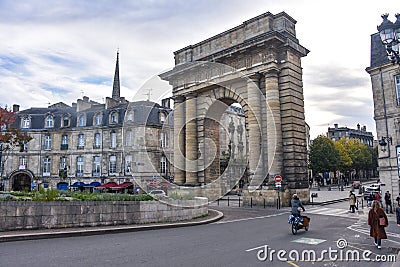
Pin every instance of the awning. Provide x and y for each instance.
(123, 185)
(106, 185)
(93, 184)
(78, 184)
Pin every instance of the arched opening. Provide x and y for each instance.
(224, 126)
(21, 180)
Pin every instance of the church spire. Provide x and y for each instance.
(116, 94)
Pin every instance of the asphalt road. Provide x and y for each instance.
(240, 239)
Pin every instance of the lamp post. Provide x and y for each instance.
(389, 33)
(390, 37)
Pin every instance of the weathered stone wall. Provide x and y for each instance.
(257, 197)
(41, 215)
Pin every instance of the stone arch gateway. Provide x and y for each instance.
(258, 65)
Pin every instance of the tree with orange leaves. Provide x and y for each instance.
(10, 137)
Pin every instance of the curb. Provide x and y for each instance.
(217, 215)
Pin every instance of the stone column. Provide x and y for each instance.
(191, 140)
(179, 140)
(274, 124)
(254, 128)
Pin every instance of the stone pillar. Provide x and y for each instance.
(254, 128)
(274, 124)
(191, 140)
(179, 141)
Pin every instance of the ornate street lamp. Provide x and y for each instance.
(390, 37)
(383, 142)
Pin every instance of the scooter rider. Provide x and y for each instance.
(296, 206)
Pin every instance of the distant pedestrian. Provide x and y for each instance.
(378, 197)
(398, 200)
(377, 220)
(388, 202)
(398, 215)
(352, 202)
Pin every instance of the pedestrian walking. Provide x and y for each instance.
(377, 220)
(352, 202)
(378, 197)
(388, 202)
(398, 200)
(398, 215)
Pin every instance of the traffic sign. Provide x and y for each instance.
(278, 184)
(278, 178)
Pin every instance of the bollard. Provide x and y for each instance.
(239, 202)
(251, 202)
(264, 203)
(362, 203)
(218, 201)
(228, 201)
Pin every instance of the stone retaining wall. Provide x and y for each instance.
(270, 197)
(16, 215)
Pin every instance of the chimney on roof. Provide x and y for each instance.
(15, 108)
(166, 102)
(358, 126)
(336, 125)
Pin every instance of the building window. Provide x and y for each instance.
(113, 165)
(81, 141)
(162, 117)
(65, 121)
(22, 163)
(128, 163)
(46, 166)
(82, 120)
(128, 138)
(47, 142)
(64, 142)
(49, 122)
(97, 140)
(63, 163)
(79, 166)
(129, 116)
(26, 122)
(163, 165)
(164, 139)
(113, 139)
(96, 166)
(113, 117)
(397, 84)
(98, 119)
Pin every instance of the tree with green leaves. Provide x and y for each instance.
(345, 161)
(324, 156)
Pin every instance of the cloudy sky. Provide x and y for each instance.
(52, 51)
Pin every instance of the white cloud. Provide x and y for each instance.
(66, 47)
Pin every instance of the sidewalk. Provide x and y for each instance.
(8, 236)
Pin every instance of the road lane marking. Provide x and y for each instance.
(251, 218)
(310, 241)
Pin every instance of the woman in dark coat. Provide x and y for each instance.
(377, 231)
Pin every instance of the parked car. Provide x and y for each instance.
(371, 190)
(356, 184)
(157, 193)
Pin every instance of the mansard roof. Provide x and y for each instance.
(378, 52)
(145, 112)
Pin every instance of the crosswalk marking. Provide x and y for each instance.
(333, 212)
